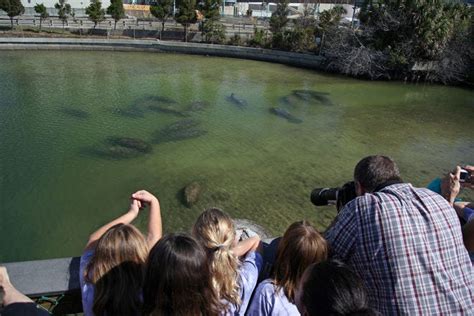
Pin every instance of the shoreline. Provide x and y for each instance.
(307, 61)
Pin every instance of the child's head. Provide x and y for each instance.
(300, 246)
(116, 270)
(215, 230)
(331, 288)
(177, 280)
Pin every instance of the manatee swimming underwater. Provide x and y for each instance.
(286, 115)
(310, 95)
(181, 130)
(116, 147)
(240, 103)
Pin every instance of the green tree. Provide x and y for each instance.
(210, 8)
(12, 8)
(95, 12)
(428, 25)
(116, 11)
(214, 32)
(64, 10)
(162, 10)
(279, 18)
(41, 10)
(331, 18)
(186, 15)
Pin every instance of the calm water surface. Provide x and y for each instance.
(57, 110)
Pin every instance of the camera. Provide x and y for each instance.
(339, 196)
(465, 176)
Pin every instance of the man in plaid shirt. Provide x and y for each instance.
(405, 243)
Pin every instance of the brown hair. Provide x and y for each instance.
(374, 171)
(178, 280)
(215, 230)
(300, 246)
(116, 270)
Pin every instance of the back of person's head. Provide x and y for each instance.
(374, 171)
(177, 279)
(116, 270)
(332, 288)
(300, 246)
(215, 230)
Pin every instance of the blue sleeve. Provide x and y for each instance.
(85, 259)
(468, 214)
(342, 235)
(261, 304)
(248, 273)
(87, 289)
(435, 185)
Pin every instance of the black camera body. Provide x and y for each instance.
(339, 196)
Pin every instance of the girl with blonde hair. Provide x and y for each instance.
(112, 265)
(234, 266)
(301, 246)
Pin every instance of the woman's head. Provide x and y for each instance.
(300, 246)
(331, 288)
(119, 244)
(116, 269)
(177, 280)
(215, 230)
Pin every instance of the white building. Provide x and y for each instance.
(78, 6)
(265, 9)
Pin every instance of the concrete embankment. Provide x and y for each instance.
(294, 59)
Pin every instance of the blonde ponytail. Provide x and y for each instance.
(215, 230)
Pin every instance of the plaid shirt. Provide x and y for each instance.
(407, 246)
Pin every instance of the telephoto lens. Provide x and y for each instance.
(324, 196)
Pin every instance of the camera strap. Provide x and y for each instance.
(386, 184)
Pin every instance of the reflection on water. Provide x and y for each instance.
(257, 137)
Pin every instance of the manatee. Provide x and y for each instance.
(180, 130)
(161, 99)
(165, 109)
(114, 152)
(289, 100)
(130, 143)
(240, 103)
(75, 113)
(131, 112)
(198, 106)
(310, 95)
(286, 115)
(191, 193)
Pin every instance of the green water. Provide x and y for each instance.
(54, 191)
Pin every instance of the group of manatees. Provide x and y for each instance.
(117, 147)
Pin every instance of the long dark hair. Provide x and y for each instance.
(178, 280)
(116, 270)
(118, 291)
(332, 288)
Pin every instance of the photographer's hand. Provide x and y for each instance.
(453, 186)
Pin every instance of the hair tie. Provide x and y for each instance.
(220, 246)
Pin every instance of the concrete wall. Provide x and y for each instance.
(295, 59)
